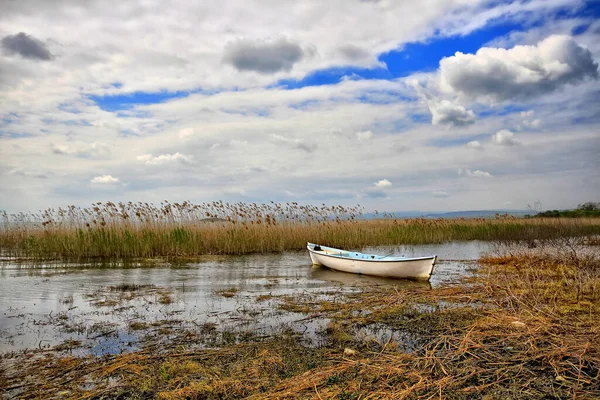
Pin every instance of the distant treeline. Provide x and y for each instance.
(585, 210)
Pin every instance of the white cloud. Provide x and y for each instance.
(379, 190)
(165, 159)
(364, 135)
(105, 180)
(529, 123)
(474, 174)
(309, 147)
(474, 145)
(518, 73)
(445, 112)
(382, 184)
(505, 138)
(84, 150)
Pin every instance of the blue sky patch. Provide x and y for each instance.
(332, 76)
(126, 101)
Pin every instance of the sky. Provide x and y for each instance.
(434, 105)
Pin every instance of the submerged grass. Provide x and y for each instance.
(141, 230)
(526, 326)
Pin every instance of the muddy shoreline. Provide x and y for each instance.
(525, 324)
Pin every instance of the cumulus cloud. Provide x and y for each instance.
(474, 174)
(82, 150)
(474, 145)
(364, 136)
(382, 184)
(445, 112)
(149, 159)
(104, 180)
(505, 138)
(26, 46)
(293, 142)
(518, 73)
(440, 193)
(377, 191)
(265, 57)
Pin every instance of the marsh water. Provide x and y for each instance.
(107, 309)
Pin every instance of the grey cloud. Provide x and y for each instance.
(353, 53)
(264, 57)
(518, 73)
(26, 46)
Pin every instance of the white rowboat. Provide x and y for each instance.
(371, 264)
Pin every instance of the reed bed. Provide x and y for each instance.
(142, 230)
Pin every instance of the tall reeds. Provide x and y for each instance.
(142, 230)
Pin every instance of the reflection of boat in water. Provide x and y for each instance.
(349, 279)
(371, 264)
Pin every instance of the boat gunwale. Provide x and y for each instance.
(380, 260)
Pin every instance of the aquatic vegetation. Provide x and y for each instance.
(142, 230)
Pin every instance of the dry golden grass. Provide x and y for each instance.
(136, 230)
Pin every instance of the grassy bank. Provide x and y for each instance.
(526, 326)
(110, 231)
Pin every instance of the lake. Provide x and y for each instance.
(113, 308)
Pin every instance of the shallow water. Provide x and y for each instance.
(47, 304)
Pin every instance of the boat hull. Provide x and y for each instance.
(408, 268)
